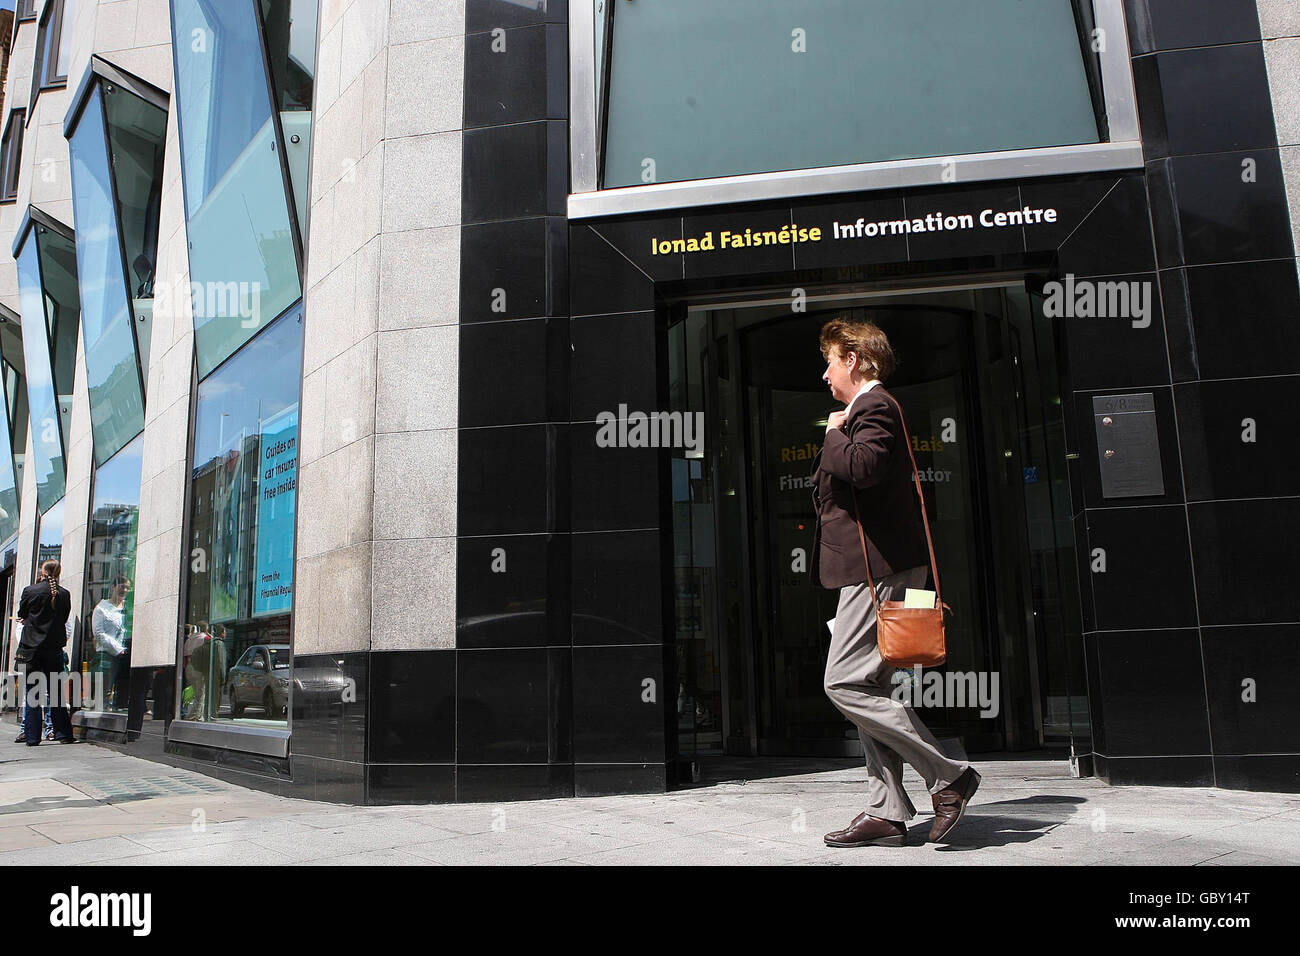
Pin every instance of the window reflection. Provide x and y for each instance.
(49, 535)
(242, 253)
(116, 153)
(8, 559)
(291, 49)
(110, 575)
(47, 285)
(137, 136)
(14, 422)
(243, 494)
(8, 485)
(112, 369)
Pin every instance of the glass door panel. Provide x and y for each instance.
(977, 379)
(787, 409)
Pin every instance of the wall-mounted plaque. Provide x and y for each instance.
(1128, 445)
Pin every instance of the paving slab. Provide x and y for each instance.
(89, 805)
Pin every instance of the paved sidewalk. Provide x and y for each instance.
(82, 804)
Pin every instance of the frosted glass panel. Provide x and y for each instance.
(728, 87)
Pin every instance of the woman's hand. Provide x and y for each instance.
(836, 420)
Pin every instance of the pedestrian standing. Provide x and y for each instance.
(44, 609)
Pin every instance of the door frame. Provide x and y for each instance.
(991, 594)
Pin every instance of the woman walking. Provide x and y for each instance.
(864, 472)
(44, 609)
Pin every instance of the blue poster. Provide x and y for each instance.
(277, 494)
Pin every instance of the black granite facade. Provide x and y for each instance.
(553, 651)
(1227, 269)
(1193, 601)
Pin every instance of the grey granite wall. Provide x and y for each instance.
(375, 564)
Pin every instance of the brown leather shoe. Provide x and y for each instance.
(950, 802)
(866, 830)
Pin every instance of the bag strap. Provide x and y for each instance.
(925, 518)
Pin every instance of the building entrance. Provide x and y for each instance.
(978, 379)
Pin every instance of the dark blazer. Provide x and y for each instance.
(868, 454)
(45, 619)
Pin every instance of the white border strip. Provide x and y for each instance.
(587, 202)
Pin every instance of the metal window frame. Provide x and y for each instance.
(33, 219)
(49, 36)
(587, 200)
(113, 717)
(245, 738)
(9, 317)
(296, 228)
(99, 71)
(55, 78)
(242, 737)
(238, 736)
(15, 409)
(36, 216)
(36, 546)
(11, 153)
(99, 68)
(296, 231)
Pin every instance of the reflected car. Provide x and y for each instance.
(320, 682)
(262, 676)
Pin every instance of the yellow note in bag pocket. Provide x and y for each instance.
(915, 597)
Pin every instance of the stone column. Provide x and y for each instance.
(375, 561)
(160, 553)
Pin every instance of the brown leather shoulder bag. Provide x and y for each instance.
(907, 636)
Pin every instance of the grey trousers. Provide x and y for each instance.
(859, 684)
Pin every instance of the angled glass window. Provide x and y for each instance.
(49, 535)
(53, 47)
(697, 90)
(110, 574)
(13, 428)
(15, 391)
(137, 140)
(243, 492)
(290, 27)
(244, 265)
(47, 286)
(9, 489)
(11, 155)
(116, 149)
(26, 10)
(47, 430)
(15, 386)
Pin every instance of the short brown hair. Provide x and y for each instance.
(863, 339)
